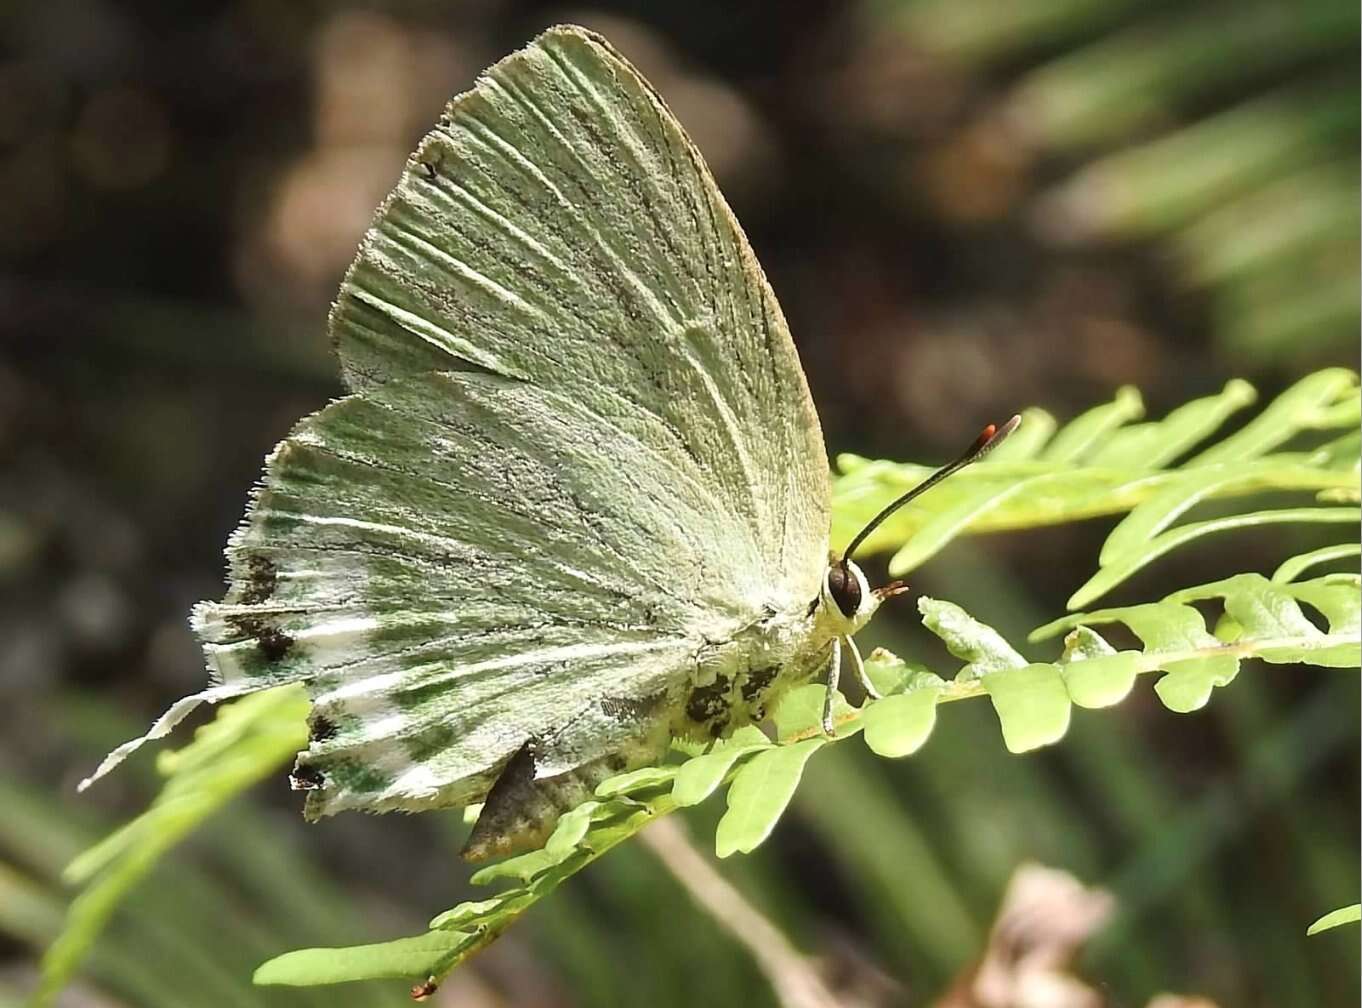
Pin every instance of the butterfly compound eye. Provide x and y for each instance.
(845, 589)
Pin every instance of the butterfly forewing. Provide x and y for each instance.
(559, 226)
(579, 449)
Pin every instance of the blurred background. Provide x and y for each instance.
(965, 206)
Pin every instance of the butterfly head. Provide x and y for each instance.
(846, 598)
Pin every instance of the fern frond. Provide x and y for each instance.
(1255, 198)
(249, 739)
(1101, 463)
(1033, 701)
(1264, 620)
(1298, 565)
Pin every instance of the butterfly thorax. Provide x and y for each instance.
(738, 679)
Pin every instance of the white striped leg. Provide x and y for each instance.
(859, 666)
(834, 674)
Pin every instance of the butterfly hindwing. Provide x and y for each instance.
(458, 566)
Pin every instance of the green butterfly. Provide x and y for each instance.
(576, 502)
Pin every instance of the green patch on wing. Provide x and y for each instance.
(426, 744)
(356, 775)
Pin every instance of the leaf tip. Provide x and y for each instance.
(1239, 392)
(1336, 918)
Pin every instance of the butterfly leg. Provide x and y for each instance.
(859, 666)
(834, 674)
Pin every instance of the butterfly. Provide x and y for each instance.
(575, 503)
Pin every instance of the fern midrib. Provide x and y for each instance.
(1118, 498)
(1146, 662)
(586, 853)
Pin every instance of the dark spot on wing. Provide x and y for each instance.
(306, 778)
(757, 681)
(262, 577)
(272, 642)
(708, 702)
(627, 710)
(321, 728)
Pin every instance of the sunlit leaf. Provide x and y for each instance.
(800, 712)
(1109, 577)
(1079, 435)
(698, 778)
(1307, 404)
(636, 781)
(1298, 565)
(1095, 674)
(759, 794)
(419, 956)
(1101, 463)
(1032, 705)
(981, 647)
(1336, 918)
(899, 725)
(249, 739)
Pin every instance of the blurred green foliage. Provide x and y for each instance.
(1223, 130)
(185, 184)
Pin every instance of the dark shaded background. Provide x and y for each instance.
(965, 208)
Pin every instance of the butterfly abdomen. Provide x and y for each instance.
(521, 810)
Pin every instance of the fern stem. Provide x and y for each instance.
(1146, 662)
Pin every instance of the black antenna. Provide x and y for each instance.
(988, 439)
